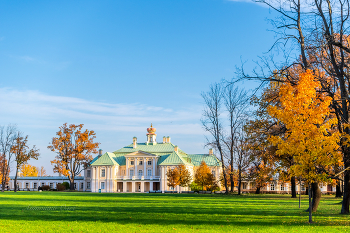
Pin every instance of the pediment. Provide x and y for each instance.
(140, 153)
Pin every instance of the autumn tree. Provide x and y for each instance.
(7, 139)
(2, 164)
(173, 177)
(203, 176)
(74, 148)
(22, 153)
(185, 176)
(28, 170)
(310, 134)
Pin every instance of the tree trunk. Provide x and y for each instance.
(338, 192)
(239, 182)
(310, 206)
(71, 180)
(16, 179)
(257, 191)
(294, 192)
(232, 182)
(316, 194)
(346, 192)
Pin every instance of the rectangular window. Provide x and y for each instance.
(82, 185)
(27, 185)
(103, 172)
(102, 185)
(131, 162)
(272, 187)
(282, 187)
(244, 185)
(149, 162)
(42, 184)
(88, 173)
(75, 185)
(302, 187)
(124, 172)
(35, 185)
(88, 185)
(140, 162)
(51, 185)
(213, 173)
(131, 172)
(149, 172)
(140, 172)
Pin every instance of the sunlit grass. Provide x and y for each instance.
(94, 212)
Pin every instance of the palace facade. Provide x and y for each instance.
(142, 167)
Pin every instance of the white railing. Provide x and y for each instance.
(138, 177)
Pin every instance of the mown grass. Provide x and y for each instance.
(94, 212)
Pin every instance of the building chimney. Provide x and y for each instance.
(164, 139)
(168, 139)
(176, 148)
(134, 142)
(211, 151)
(99, 153)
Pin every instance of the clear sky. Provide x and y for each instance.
(117, 66)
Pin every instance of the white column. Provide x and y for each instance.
(142, 187)
(161, 179)
(144, 167)
(154, 167)
(92, 183)
(126, 167)
(124, 187)
(151, 186)
(133, 186)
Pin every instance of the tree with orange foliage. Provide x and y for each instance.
(22, 154)
(4, 167)
(73, 147)
(204, 176)
(173, 177)
(29, 170)
(309, 137)
(184, 176)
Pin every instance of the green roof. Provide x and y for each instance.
(106, 159)
(165, 151)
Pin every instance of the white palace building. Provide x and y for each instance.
(142, 167)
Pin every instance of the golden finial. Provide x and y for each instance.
(151, 125)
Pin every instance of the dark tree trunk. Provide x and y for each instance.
(239, 182)
(294, 192)
(346, 192)
(16, 179)
(310, 205)
(338, 192)
(316, 194)
(71, 181)
(257, 191)
(232, 182)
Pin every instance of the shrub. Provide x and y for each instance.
(61, 187)
(45, 187)
(40, 188)
(66, 184)
(195, 187)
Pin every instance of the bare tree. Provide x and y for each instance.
(211, 122)
(236, 102)
(7, 140)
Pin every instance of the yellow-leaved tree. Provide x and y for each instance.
(29, 170)
(310, 135)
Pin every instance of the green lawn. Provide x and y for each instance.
(94, 212)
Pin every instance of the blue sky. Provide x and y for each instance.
(117, 66)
